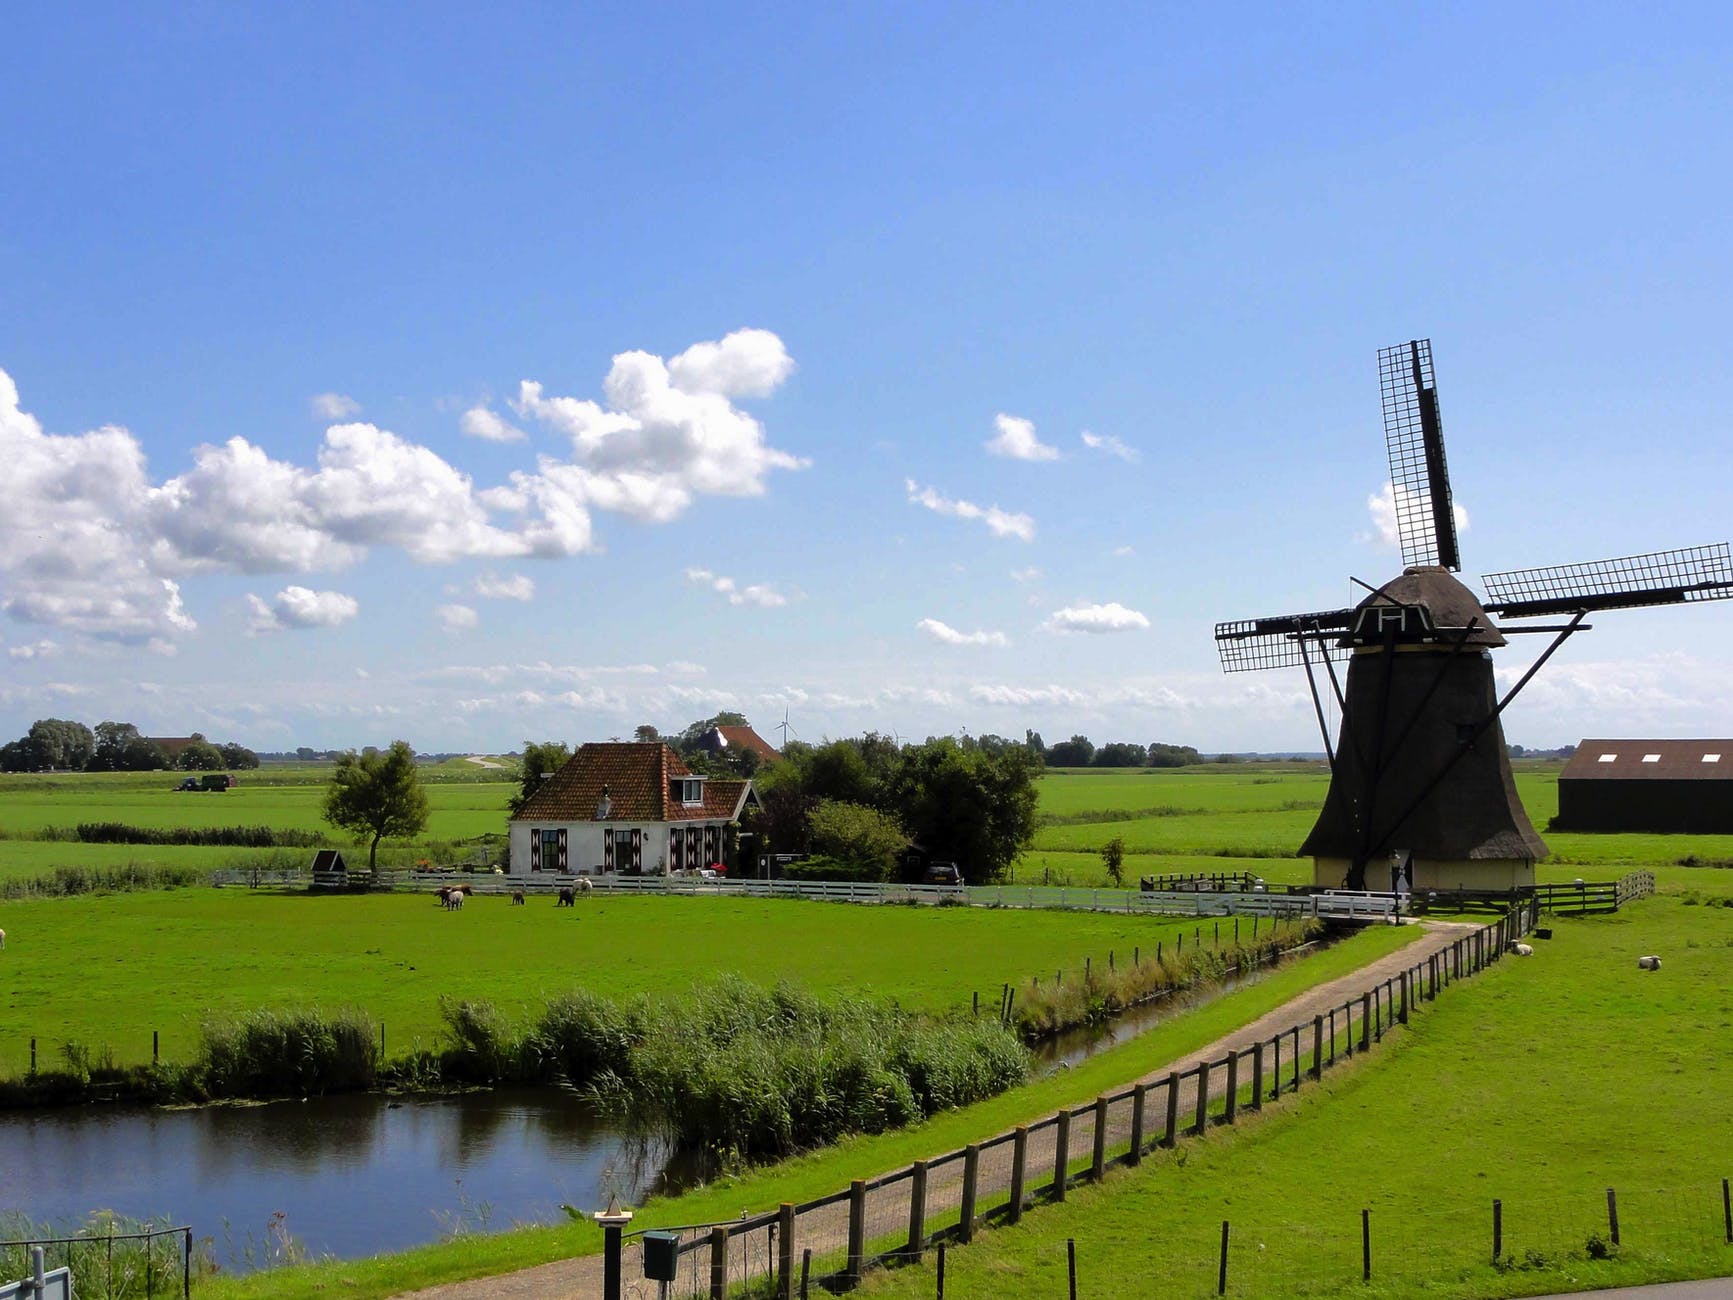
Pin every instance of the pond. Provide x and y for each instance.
(350, 1176)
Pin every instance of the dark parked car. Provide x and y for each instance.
(942, 873)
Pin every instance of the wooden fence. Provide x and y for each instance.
(832, 1241)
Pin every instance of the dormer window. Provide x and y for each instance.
(686, 790)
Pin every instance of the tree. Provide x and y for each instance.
(119, 748)
(62, 744)
(1119, 754)
(377, 795)
(539, 762)
(973, 807)
(238, 757)
(1161, 755)
(1079, 751)
(645, 734)
(199, 756)
(863, 837)
(19, 756)
(1113, 858)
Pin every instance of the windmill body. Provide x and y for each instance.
(1421, 792)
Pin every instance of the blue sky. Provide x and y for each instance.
(742, 295)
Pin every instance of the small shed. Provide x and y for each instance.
(328, 860)
(1658, 786)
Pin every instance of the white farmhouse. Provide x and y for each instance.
(630, 808)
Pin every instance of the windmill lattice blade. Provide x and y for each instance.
(1658, 578)
(1414, 437)
(1254, 643)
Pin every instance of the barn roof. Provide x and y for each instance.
(1650, 760)
(635, 777)
(742, 738)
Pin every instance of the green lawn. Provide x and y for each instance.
(165, 960)
(1541, 1083)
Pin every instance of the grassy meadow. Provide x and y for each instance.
(1542, 1083)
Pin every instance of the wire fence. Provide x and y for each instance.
(112, 1265)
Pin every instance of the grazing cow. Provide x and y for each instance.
(1648, 963)
(568, 897)
(517, 898)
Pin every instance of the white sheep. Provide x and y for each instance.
(1648, 963)
(1522, 949)
(2, 939)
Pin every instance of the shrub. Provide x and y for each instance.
(289, 1053)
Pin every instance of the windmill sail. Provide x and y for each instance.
(1657, 578)
(1414, 436)
(1253, 643)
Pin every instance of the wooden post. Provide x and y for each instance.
(1296, 1058)
(1170, 1135)
(976, 1009)
(856, 1228)
(1613, 1214)
(1139, 1096)
(1258, 1075)
(971, 1183)
(1727, 1209)
(1202, 1096)
(917, 1212)
(1365, 1245)
(941, 1271)
(1061, 1152)
(1497, 1230)
(1222, 1271)
(1019, 1155)
(785, 1251)
(1318, 1045)
(805, 1270)
(1365, 1021)
(1137, 955)
(1232, 1109)
(1098, 1161)
(156, 1045)
(719, 1264)
(1404, 1012)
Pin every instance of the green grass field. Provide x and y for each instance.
(165, 960)
(1541, 1083)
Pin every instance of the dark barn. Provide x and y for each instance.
(1648, 785)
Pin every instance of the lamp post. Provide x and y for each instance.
(613, 1221)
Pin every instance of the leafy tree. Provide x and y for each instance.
(19, 756)
(120, 748)
(1161, 755)
(646, 734)
(238, 757)
(974, 807)
(1113, 858)
(1079, 751)
(377, 795)
(863, 837)
(1119, 754)
(200, 756)
(539, 762)
(62, 744)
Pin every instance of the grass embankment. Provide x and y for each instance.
(1541, 1083)
(820, 1173)
(166, 961)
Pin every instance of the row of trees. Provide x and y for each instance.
(61, 745)
(1080, 751)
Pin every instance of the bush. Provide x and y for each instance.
(64, 882)
(237, 837)
(289, 1053)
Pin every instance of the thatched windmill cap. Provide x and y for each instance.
(1450, 604)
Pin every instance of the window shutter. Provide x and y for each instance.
(637, 850)
(535, 850)
(563, 867)
(607, 850)
(674, 863)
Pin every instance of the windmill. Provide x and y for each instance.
(1419, 775)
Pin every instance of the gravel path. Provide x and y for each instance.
(581, 1278)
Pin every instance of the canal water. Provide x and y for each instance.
(362, 1174)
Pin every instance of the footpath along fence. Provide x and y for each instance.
(1449, 1238)
(831, 1242)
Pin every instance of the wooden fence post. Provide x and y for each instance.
(1139, 1097)
(1232, 1109)
(1098, 1162)
(1061, 1152)
(971, 1182)
(857, 1195)
(1365, 1245)
(1202, 1096)
(1613, 1215)
(1170, 1135)
(1318, 1047)
(1019, 1157)
(1365, 1021)
(1497, 1230)
(785, 1251)
(719, 1264)
(917, 1211)
(1404, 1011)
(1258, 1075)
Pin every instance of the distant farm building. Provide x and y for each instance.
(1648, 785)
(720, 739)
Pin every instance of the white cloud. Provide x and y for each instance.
(334, 406)
(1030, 574)
(1016, 439)
(1111, 617)
(1123, 551)
(301, 607)
(33, 650)
(1001, 523)
(480, 422)
(457, 618)
(1382, 507)
(1111, 445)
(765, 597)
(510, 586)
(1023, 696)
(668, 432)
(948, 635)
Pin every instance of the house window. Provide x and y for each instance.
(549, 859)
(686, 790)
(623, 862)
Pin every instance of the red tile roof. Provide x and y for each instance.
(636, 777)
(747, 738)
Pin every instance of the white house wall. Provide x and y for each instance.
(585, 841)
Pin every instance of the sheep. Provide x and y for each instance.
(583, 884)
(517, 898)
(1648, 963)
(2, 939)
(568, 897)
(1522, 949)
